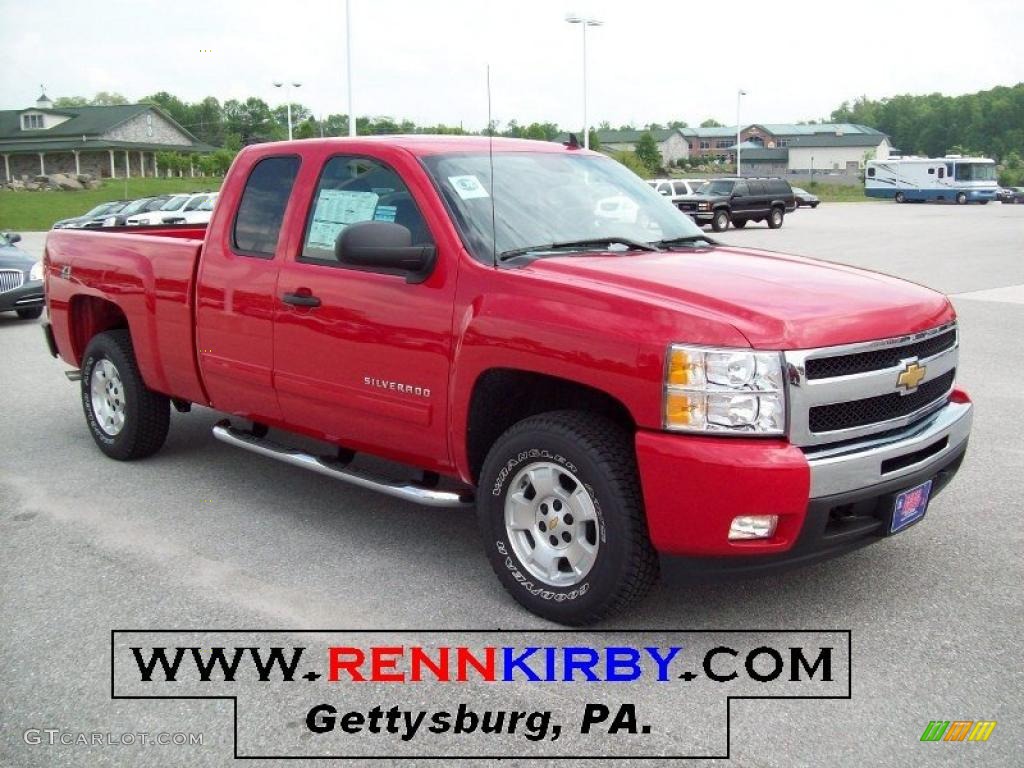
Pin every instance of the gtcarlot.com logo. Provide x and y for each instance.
(958, 730)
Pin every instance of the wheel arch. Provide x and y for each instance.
(89, 316)
(502, 397)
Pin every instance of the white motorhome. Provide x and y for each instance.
(951, 178)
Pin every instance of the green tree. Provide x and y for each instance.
(711, 123)
(70, 101)
(107, 99)
(594, 139)
(634, 163)
(647, 152)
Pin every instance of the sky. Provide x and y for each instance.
(650, 61)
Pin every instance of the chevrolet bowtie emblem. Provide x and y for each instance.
(910, 377)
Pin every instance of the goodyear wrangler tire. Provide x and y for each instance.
(562, 517)
(126, 419)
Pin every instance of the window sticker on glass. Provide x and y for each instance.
(335, 210)
(385, 213)
(468, 187)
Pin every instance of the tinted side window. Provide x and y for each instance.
(756, 187)
(355, 189)
(778, 187)
(680, 188)
(261, 209)
(742, 188)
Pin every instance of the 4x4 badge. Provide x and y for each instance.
(910, 377)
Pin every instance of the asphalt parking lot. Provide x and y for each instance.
(203, 535)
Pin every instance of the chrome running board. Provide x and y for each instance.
(418, 494)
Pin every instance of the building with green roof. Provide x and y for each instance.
(114, 141)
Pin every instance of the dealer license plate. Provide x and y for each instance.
(910, 507)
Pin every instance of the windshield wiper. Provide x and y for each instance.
(684, 240)
(636, 245)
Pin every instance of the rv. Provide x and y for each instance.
(918, 179)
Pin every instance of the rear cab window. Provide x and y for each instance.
(261, 209)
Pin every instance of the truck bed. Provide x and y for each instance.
(142, 278)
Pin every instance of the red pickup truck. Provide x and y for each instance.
(526, 327)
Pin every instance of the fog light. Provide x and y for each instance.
(753, 527)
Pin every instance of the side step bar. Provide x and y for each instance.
(418, 494)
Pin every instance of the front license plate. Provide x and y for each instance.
(910, 507)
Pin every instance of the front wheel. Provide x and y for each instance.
(961, 198)
(126, 419)
(720, 222)
(562, 517)
(31, 313)
(900, 197)
(775, 218)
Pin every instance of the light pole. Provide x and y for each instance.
(739, 95)
(348, 66)
(584, 22)
(288, 96)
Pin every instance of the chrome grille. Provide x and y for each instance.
(11, 279)
(870, 410)
(847, 392)
(876, 359)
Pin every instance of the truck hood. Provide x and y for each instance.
(776, 301)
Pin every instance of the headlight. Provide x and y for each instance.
(36, 273)
(710, 389)
(702, 206)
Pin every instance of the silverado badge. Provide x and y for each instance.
(910, 376)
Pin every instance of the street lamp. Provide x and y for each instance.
(584, 22)
(739, 94)
(348, 66)
(288, 96)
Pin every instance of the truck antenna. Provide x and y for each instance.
(490, 158)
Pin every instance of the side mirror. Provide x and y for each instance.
(13, 237)
(383, 246)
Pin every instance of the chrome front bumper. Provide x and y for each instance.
(876, 460)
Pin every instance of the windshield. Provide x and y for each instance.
(975, 171)
(551, 197)
(136, 206)
(100, 209)
(174, 203)
(720, 187)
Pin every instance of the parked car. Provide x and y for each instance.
(155, 216)
(805, 198)
(95, 214)
(673, 189)
(1010, 195)
(21, 279)
(142, 205)
(720, 202)
(196, 211)
(607, 392)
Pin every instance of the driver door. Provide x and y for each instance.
(361, 358)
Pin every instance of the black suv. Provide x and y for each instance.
(721, 201)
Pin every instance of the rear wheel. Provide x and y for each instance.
(562, 517)
(31, 313)
(720, 222)
(127, 420)
(900, 197)
(775, 218)
(961, 198)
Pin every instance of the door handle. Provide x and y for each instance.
(302, 298)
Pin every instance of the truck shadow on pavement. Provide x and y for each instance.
(376, 549)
